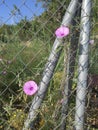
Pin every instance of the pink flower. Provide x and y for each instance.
(62, 32)
(4, 72)
(62, 100)
(91, 42)
(30, 88)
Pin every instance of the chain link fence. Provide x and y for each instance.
(66, 72)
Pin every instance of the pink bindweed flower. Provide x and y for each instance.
(30, 88)
(9, 62)
(4, 72)
(62, 100)
(91, 42)
(62, 32)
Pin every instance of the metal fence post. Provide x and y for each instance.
(49, 69)
(70, 66)
(83, 65)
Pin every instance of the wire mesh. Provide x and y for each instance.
(26, 40)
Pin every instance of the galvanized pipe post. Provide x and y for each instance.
(70, 66)
(83, 65)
